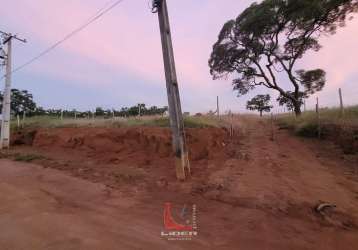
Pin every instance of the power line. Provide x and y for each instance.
(92, 19)
(100, 10)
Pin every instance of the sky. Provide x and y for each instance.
(117, 61)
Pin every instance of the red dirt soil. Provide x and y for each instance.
(118, 156)
(250, 192)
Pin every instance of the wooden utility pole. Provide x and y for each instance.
(6, 107)
(175, 112)
(341, 102)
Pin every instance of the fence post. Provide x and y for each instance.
(318, 119)
(341, 102)
(231, 117)
(272, 128)
(18, 121)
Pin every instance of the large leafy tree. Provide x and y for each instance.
(21, 101)
(268, 39)
(261, 103)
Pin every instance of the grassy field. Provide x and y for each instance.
(328, 116)
(333, 126)
(155, 121)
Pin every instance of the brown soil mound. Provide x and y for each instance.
(251, 192)
(203, 143)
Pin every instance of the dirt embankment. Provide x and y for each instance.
(251, 192)
(343, 133)
(346, 136)
(119, 156)
(203, 143)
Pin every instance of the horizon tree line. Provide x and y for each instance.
(22, 103)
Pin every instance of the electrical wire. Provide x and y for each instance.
(92, 19)
(107, 4)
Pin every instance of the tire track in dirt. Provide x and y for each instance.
(277, 185)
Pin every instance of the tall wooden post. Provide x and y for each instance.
(175, 112)
(341, 102)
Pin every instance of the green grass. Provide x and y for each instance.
(341, 129)
(307, 123)
(155, 121)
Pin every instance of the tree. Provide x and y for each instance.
(284, 101)
(99, 111)
(40, 111)
(21, 101)
(260, 103)
(269, 38)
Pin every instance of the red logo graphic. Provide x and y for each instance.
(170, 223)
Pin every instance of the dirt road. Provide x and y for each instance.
(250, 193)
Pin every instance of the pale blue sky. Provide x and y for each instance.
(117, 61)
